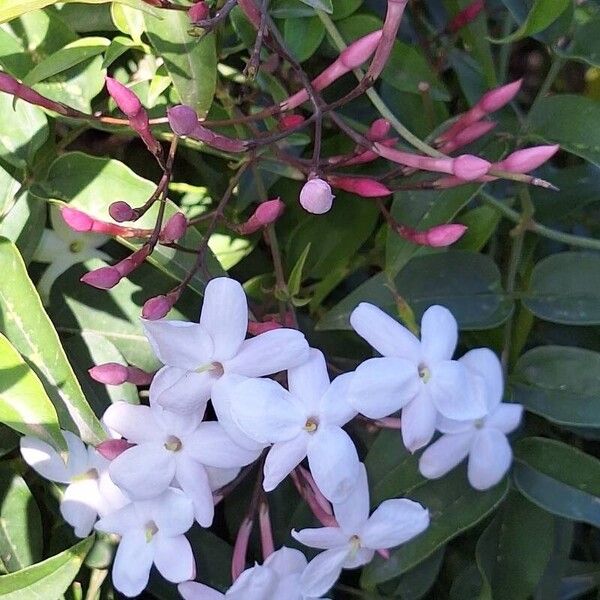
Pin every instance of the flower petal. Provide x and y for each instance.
(445, 425)
(486, 364)
(382, 332)
(506, 417)
(211, 445)
(334, 407)
(217, 478)
(133, 562)
(182, 391)
(282, 458)
(353, 513)
(174, 558)
(381, 386)
(225, 316)
(121, 521)
(418, 422)
(439, 334)
(322, 572)
(266, 412)
(135, 422)
(172, 512)
(79, 506)
(191, 590)
(394, 522)
(360, 557)
(333, 462)
(310, 380)
(143, 471)
(323, 538)
(286, 561)
(269, 352)
(444, 454)
(255, 583)
(489, 459)
(179, 343)
(44, 459)
(54, 270)
(193, 479)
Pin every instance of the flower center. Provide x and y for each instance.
(76, 247)
(89, 474)
(216, 369)
(311, 425)
(173, 444)
(479, 423)
(424, 373)
(354, 544)
(150, 530)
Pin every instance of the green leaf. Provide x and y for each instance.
(24, 405)
(454, 506)
(585, 45)
(20, 523)
(542, 14)
(324, 5)
(48, 579)
(565, 119)
(191, 64)
(295, 278)
(27, 326)
(303, 36)
(564, 288)
(559, 478)
(465, 282)
(514, 550)
(559, 383)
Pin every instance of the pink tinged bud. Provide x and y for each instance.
(125, 99)
(384, 553)
(109, 373)
(182, 119)
(438, 237)
(250, 10)
(198, 12)
(138, 376)
(497, 98)
(256, 328)
(240, 549)
(129, 264)
(9, 84)
(266, 530)
(465, 16)
(121, 211)
(316, 196)
(157, 307)
(174, 228)
(103, 278)
(378, 130)
(466, 136)
(110, 449)
(266, 213)
(360, 51)
(361, 186)
(469, 167)
(290, 122)
(76, 219)
(523, 161)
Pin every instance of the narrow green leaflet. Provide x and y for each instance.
(559, 478)
(560, 383)
(48, 579)
(27, 326)
(24, 405)
(20, 523)
(324, 5)
(192, 64)
(565, 288)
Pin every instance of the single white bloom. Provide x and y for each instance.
(197, 355)
(354, 542)
(151, 532)
(316, 196)
(89, 492)
(277, 578)
(171, 449)
(304, 422)
(482, 440)
(62, 248)
(418, 377)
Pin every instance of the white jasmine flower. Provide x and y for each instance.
(62, 248)
(418, 377)
(151, 532)
(171, 449)
(354, 542)
(89, 492)
(278, 577)
(197, 355)
(482, 440)
(306, 421)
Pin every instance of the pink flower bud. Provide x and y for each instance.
(198, 12)
(121, 211)
(110, 449)
(361, 186)
(290, 122)
(316, 196)
(467, 135)
(103, 278)
(378, 130)
(265, 214)
(182, 119)
(258, 327)
(138, 376)
(360, 51)
(157, 307)
(240, 548)
(76, 219)
(129, 264)
(469, 167)
(109, 373)
(9, 84)
(497, 98)
(174, 228)
(125, 99)
(523, 161)
(440, 236)
(465, 16)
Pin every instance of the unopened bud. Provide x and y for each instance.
(465, 16)
(497, 98)
(125, 99)
(121, 211)
(440, 236)
(174, 228)
(378, 130)
(265, 214)
(129, 264)
(360, 51)
(103, 278)
(523, 161)
(110, 449)
(182, 119)
(467, 135)
(469, 167)
(316, 196)
(157, 307)
(109, 373)
(361, 186)
(198, 12)
(258, 327)
(9, 84)
(76, 219)
(290, 122)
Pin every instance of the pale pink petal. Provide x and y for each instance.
(323, 538)
(439, 334)
(286, 561)
(134, 422)
(282, 458)
(193, 479)
(418, 422)
(322, 572)
(394, 522)
(44, 459)
(486, 364)
(310, 380)
(79, 506)
(353, 513)
(334, 407)
(190, 590)
(133, 561)
(489, 459)
(381, 386)
(182, 391)
(445, 453)
(333, 462)
(225, 316)
(269, 352)
(174, 558)
(382, 332)
(506, 417)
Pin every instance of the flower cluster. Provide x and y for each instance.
(166, 464)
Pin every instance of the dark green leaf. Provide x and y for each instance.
(303, 36)
(585, 45)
